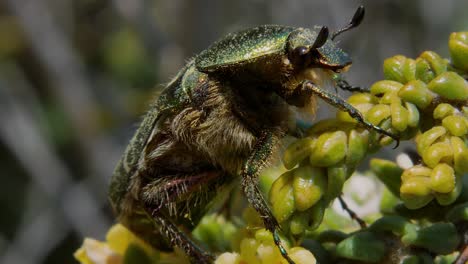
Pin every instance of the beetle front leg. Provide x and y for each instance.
(309, 87)
(249, 179)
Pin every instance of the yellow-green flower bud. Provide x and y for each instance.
(400, 115)
(458, 47)
(419, 186)
(251, 217)
(386, 86)
(429, 137)
(327, 125)
(228, 258)
(387, 98)
(298, 151)
(345, 117)
(282, 197)
(267, 254)
(443, 110)
(264, 236)
(337, 175)
(417, 93)
(248, 250)
(358, 142)
(424, 71)
(460, 155)
(456, 125)
(413, 114)
(464, 110)
(409, 70)
(438, 64)
(443, 178)
(450, 85)
(385, 125)
(309, 184)
(416, 171)
(332, 146)
(362, 98)
(378, 113)
(436, 153)
(449, 198)
(300, 256)
(393, 68)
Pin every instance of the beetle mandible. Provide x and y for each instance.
(219, 120)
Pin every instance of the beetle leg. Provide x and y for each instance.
(180, 239)
(160, 198)
(344, 85)
(249, 180)
(341, 104)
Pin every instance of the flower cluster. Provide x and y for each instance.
(422, 99)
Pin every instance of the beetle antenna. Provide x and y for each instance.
(321, 38)
(354, 22)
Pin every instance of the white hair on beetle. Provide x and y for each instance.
(323, 78)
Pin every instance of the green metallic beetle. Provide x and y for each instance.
(220, 120)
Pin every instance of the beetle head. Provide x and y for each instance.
(314, 48)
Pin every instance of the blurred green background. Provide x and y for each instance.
(76, 76)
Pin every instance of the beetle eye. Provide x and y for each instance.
(301, 51)
(299, 54)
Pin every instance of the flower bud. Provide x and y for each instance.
(429, 137)
(443, 110)
(386, 86)
(458, 47)
(442, 178)
(436, 153)
(456, 125)
(298, 151)
(393, 68)
(309, 185)
(450, 85)
(332, 146)
(417, 93)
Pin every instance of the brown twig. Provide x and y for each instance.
(351, 213)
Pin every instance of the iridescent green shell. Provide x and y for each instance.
(237, 49)
(243, 47)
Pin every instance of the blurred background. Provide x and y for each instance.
(76, 76)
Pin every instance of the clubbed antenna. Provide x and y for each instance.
(354, 22)
(321, 38)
